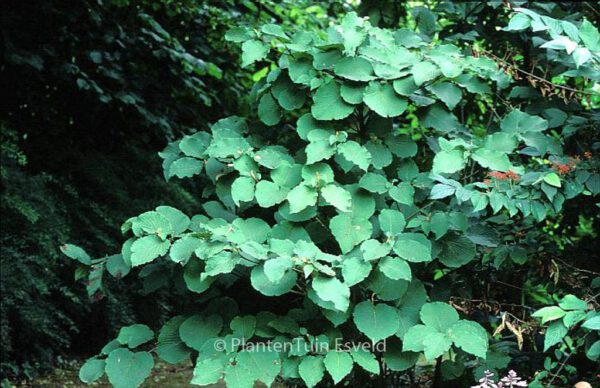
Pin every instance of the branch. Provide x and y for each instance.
(537, 78)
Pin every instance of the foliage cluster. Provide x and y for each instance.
(392, 174)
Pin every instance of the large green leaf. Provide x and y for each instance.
(519, 122)
(328, 103)
(355, 69)
(349, 231)
(470, 337)
(377, 322)
(383, 99)
(261, 282)
(252, 51)
(448, 162)
(449, 93)
(135, 335)
(196, 330)
(413, 247)
(355, 153)
(438, 315)
(338, 197)
(311, 370)
(127, 369)
(338, 364)
(332, 290)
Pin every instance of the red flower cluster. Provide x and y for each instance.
(565, 168)
(503, 176)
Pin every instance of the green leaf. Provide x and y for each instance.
(373, 249)
(448, 162)
(208, 371)
(127, 369)
(375, 183)
(349, 231)
(439, 316)
(590, 35)
(169, 346)
(518, 22)
(252, 51)
(380, 155)
(196, 330)
(549, 313)
(261, 282)
(239, 34)
(441, 190)
(243, 327)
(437, 117)
(301, 197)
(148, 248)
(382, 99)
(185, 167)
(352, 32)
(415, 336)
(391, 222)
(354, 69)
(456, 251)
(365, 360)
(402, 146)
(332, 290)
(413, 247)
(424, 71)
(135, 335)
(355, 270)
(492, 159)
(195, 145)
(439, 224)
(338, 364)
(470, 337)
(289, 96)
(153, 223)
(76, 253)
(552, 179)
(449, 93)
(261, 364)
(377, 322)
(268, 110)
(435, 345)
(311, 370)
(554, 334)
(237, 376)
(328, 103)
(317, 175)
(195, 280)
(593, 323)
(355, 153)
(405, 86)
(593, 352)
(91, 370)
(352, 94)
(242, 190)
(403, 193)
(571, 302)
(397, 360)
(274, 29)
(338, 197)
(269, 194)
(395, 268)
(519, 122)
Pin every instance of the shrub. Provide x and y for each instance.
(371, 189)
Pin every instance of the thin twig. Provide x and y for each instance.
(538, 78)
